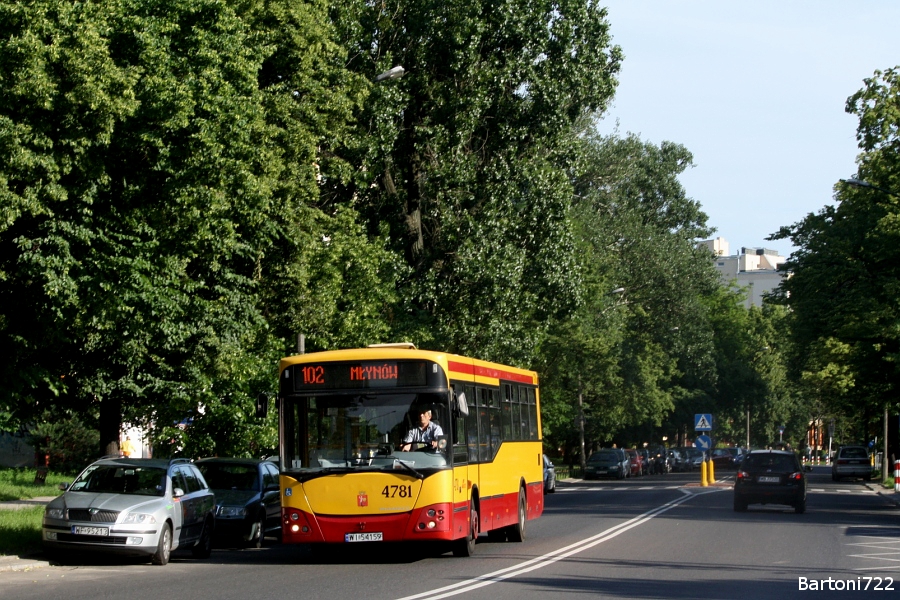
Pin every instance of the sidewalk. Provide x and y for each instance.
(23, 563)
(16, 504)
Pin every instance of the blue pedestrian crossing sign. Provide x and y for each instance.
(703, 422)
(704, 442)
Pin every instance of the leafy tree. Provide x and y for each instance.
(642, 327)
(463, 160)
(65, 442)
(844, 284)
(159, 173)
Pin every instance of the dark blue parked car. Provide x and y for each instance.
(248, 500)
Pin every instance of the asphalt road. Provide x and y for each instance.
(651, 537)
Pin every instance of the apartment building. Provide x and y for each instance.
(753, 268)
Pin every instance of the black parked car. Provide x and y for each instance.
(607, 462)
(248, 501)
(770, 477)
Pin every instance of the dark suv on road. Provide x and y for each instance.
(770, 477)
(132, 506)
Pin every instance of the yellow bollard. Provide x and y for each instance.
(703, 482)
(712, 472)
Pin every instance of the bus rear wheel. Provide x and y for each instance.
(516, 533)
(466, 546)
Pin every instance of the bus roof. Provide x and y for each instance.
(458, 367)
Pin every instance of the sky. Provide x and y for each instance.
(756, 91)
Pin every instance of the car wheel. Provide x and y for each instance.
(800, 507)
(552, 486)
(516, 533)
(259, 534)
(164, 547)
(203, 549)
(466, 546)
(740, 505)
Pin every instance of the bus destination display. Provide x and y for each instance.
(361, 375)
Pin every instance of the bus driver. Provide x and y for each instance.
(426, 432)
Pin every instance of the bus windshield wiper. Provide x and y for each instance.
(408, 467)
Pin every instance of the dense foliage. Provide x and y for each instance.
(843, 295)
(186, 185)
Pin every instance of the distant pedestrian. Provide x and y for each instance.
(127, 447)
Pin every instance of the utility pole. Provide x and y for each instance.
(581, 426)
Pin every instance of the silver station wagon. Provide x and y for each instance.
(132, 506)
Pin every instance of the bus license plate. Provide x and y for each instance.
(90, 530)
(375, 536)
(769, 479)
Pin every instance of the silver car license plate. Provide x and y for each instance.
(765, 479)
(80, 530)
(375, 536)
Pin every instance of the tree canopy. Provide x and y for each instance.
(186, 185)
(843, 292)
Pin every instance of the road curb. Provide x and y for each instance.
(889, 495)
(21, 563)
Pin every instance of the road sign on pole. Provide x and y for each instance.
(703, 422)
(704, 442)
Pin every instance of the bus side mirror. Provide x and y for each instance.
(262, 406)
(461, 404)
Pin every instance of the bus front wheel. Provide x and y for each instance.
(466, 546)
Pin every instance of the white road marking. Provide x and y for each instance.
(613, 489)
(552, 557)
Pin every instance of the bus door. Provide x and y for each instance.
(465, 467)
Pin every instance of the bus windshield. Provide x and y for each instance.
(366, 431)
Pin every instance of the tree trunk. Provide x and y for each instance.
(110, 425)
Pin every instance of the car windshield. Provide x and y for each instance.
(119, 479)
(771, 462)
(366, 431)
(603, 457)
(229, 476)
(854, 453)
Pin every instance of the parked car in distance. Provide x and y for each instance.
(770, 477)
(248, 498)
(851, 461)
(725, 459)
(695, 458)
(635, 463)
(607, 462)
(549, 476)
(132, 506)
(646, 461)
(677, 459)
(660, 460)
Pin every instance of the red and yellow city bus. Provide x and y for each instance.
(347, 476)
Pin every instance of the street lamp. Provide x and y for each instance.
(865, 184)
(393, 73)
